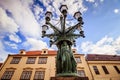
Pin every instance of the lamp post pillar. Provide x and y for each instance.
(64, 39)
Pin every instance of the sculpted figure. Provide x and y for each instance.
(65, 59)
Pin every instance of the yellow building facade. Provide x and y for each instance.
(40, 65)
(104, 67)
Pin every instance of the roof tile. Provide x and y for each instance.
(98, 57)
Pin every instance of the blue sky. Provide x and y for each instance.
(21, 21)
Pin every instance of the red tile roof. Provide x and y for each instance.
(33, 52)
(40, 52)
(98, 57)
(52, 52)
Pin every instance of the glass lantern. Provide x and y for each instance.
(77, 16)
(48, 15)
(63, 9)
(44, 28)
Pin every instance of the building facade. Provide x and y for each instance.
(40, 65)
(104, 67)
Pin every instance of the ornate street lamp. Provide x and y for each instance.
(64, 38)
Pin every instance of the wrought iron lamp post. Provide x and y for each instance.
(64, 38)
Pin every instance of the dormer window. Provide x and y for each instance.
(22, 51)
(45, 51)
(74, 51)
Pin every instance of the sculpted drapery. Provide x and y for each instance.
(65, 62)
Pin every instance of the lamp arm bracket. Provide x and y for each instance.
(72, 28)
(49, 35)
(53, 27)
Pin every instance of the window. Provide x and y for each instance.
(73, 52)
(15, 60)
(44, 51)
(78, 60)
(7, 75)
(96, 69)
(39, 75)
(21, 52)
(26, 75)
(105, 70)
(31, 60)
(42, 60)
(81, 73)
(116, 68)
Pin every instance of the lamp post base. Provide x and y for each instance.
(69, 78)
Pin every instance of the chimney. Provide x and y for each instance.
(22, 51)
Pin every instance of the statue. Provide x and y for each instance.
(65, 62)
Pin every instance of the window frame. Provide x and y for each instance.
(15, 60)
(24, 74)
(105, 70)
(38, 76)
(96, 70)
(7, 76)
(31, 60)
(117, 69)
(82, 73)
(42, 60)
(78, 59)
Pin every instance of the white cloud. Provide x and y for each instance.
(12, 45)
(104, 41)
(116, 11)
(104, 46)
(90, 1)
(7, 24)
(23, 16)
(3, 53)
(15, 38)
(38, 10)
(35, 44)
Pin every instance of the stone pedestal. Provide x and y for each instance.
(69, 78)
